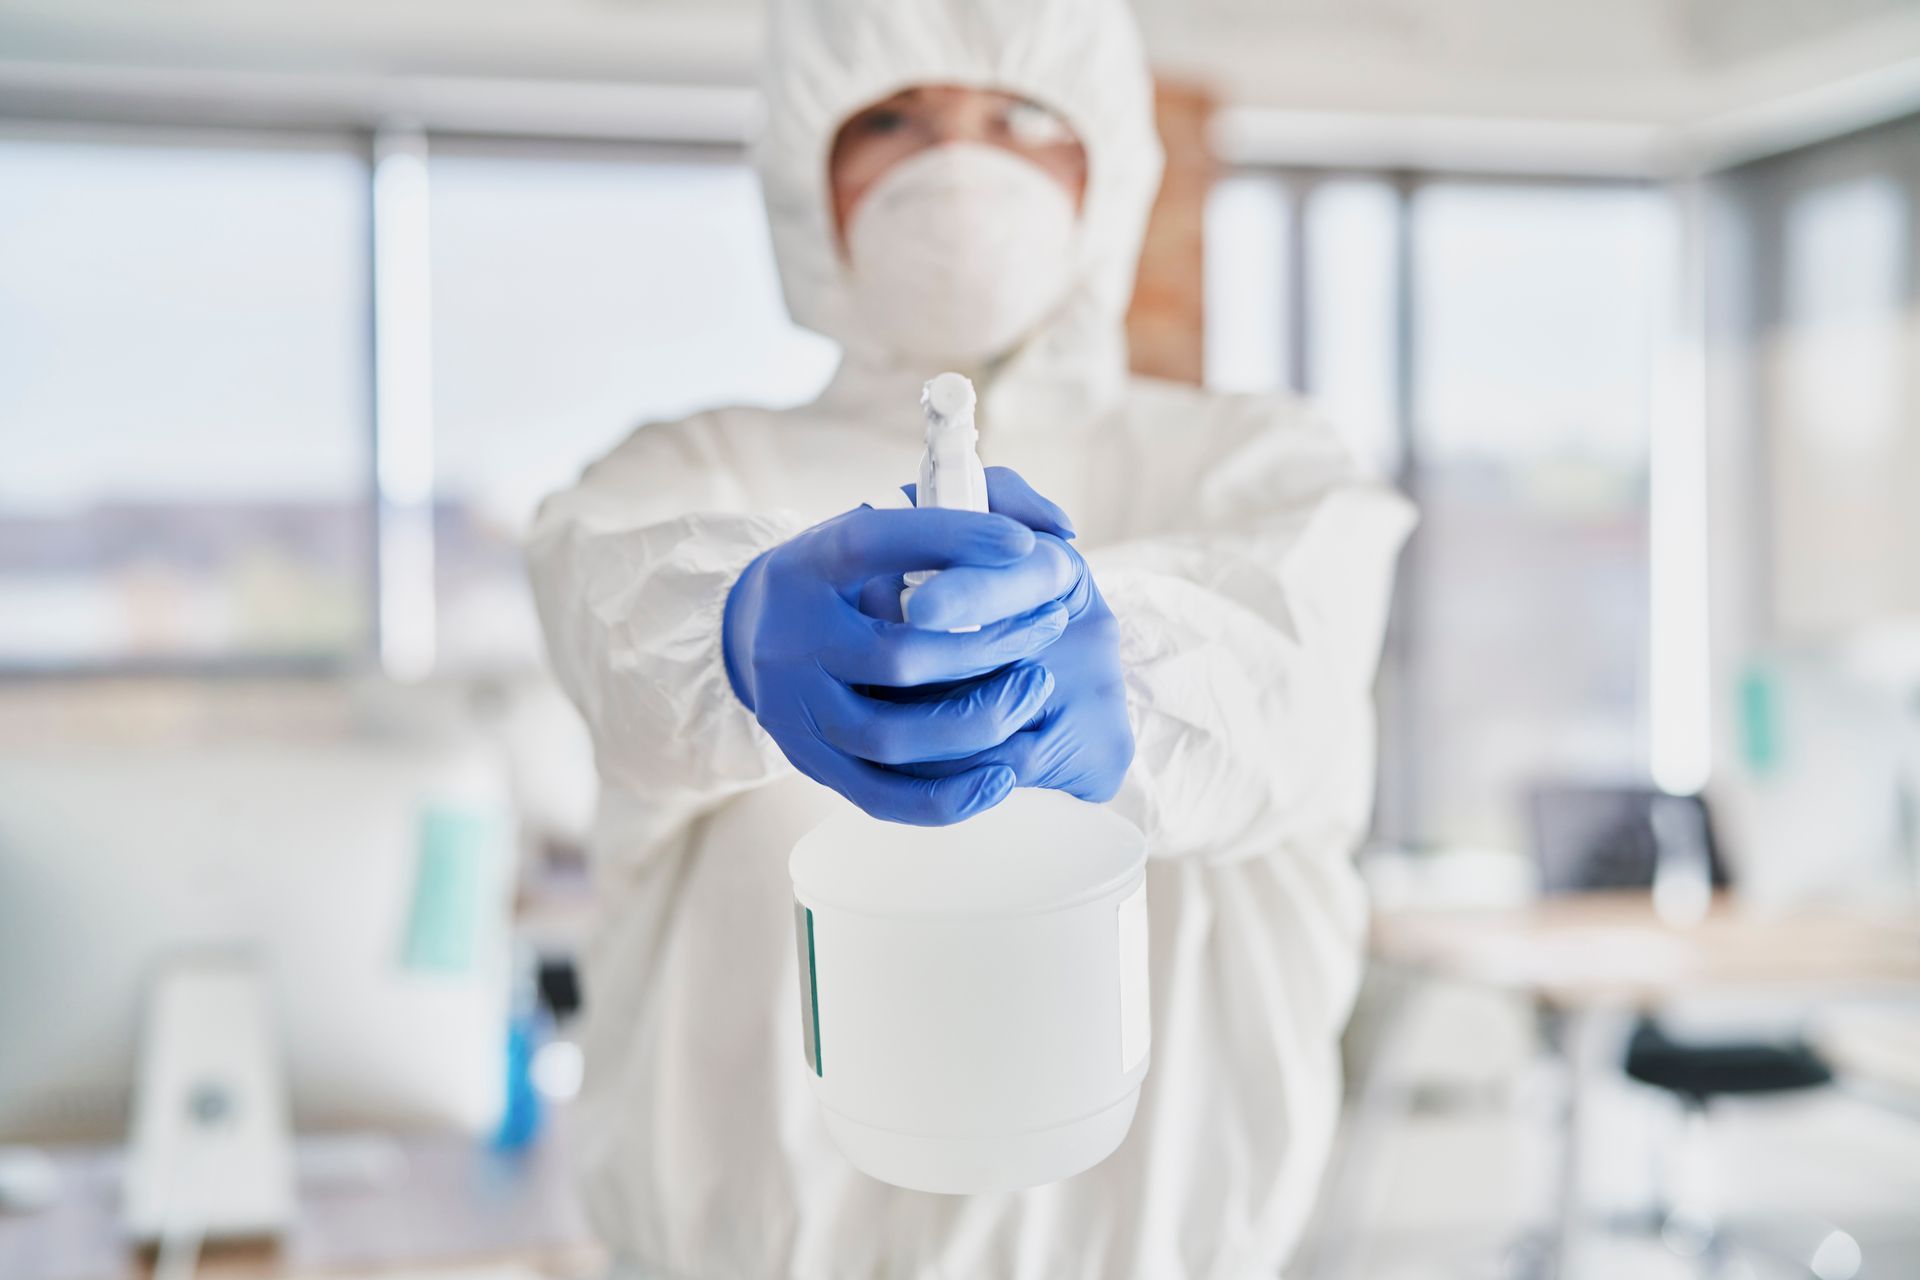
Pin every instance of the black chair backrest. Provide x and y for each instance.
(1588, 837)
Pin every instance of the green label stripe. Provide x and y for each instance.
(809, 988)
(813, 999)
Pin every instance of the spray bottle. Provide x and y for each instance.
(974, 998)
(950, 472)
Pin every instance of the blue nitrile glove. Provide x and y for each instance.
(974, 595)
(796, 644)
(1081, 741)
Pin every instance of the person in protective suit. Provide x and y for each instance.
(1180, 603)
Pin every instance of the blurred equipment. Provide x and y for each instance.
(1597, 838)
(559, 981)
(211, 1150)
(326, 922)
(28, 1179)
(1588, 837)
(1696, 1073)
(1579, 955)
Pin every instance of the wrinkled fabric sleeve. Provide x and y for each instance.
(632, 609)
(1250, 642)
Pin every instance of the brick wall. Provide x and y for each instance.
(1166, 323)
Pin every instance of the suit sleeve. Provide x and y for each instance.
(1250, 641)
(631, 589)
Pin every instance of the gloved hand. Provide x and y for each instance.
(796, 644)
(1080, 741)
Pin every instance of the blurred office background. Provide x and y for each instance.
(304, 307)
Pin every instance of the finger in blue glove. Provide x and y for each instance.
(796, 646)
(1081, 740)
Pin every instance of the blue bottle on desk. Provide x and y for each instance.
(526, 1030)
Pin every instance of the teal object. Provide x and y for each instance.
(459, 857)
(809, 989)
(1759, 699)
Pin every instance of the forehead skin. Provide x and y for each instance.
(881, 135)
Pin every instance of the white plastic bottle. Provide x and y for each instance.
(973, 999)
(950, 472)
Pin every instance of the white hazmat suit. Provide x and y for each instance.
(1249, 567)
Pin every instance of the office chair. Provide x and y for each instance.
(1589, 838)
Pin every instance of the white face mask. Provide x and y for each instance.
(959, 252)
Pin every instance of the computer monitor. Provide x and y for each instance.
(368, 882)
(1590, 836)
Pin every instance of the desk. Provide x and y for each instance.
(1610, 948)
(446, 1202)
(1607, 951)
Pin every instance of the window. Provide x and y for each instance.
(1246, 284)
(216, 296)
(1347, 246)
(578, 294)
(1532, 314)
(1842, 474)
(183, 386)
(1536, 314)
(1352, 314)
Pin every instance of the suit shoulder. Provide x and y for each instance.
(697, 438)
(1225, 421)
(662, 468)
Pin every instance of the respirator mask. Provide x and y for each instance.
(959, 252)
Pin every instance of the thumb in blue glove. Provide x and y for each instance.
(1080, 741)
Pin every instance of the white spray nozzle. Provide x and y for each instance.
(950, 472)
(948, 398)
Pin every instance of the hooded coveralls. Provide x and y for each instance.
(1248, 564)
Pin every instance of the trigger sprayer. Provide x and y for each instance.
(975, 1014)
(950, 472)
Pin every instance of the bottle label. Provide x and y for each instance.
(1136, 1021)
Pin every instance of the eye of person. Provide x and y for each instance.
(883, 120)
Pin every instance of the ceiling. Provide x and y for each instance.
(1645, 65)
